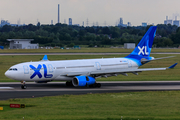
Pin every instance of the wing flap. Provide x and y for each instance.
(128, 70)
(69, 74)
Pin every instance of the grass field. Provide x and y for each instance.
(82, 50)
(162, 105)
(173, 74)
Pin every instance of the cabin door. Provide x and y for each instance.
(50, 68)
(129, 64)
(98, 66)
(26, 69)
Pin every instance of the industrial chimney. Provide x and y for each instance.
(58, 13)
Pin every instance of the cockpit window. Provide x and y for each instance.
(13, 69)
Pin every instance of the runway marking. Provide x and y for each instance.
(6, 88)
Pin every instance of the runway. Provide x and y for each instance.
(12, 90)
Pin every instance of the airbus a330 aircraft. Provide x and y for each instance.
(84, 72)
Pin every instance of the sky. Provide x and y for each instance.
(103, 12)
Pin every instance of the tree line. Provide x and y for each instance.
(65, 35)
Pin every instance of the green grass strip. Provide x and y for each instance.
(159, 105)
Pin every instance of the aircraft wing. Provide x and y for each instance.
(128, 70)
(77, 74)
(116, 71)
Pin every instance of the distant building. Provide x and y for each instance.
(2, 47)
(22, 44)
(129, 24)
(58, 13)
(70, 21)
(129, 45)
(176, 22)
(172, 22)
(4, 22)
(121, 23)
(168, 21)
(76, 24)
(144, 24)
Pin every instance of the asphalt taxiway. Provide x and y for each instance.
(11, 90)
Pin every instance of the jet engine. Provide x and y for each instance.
(82, 81)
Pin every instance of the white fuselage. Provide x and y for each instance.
(58, 70)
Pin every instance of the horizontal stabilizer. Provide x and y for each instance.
(172, 66)
(145, 60)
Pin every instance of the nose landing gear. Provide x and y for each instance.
(23, 86)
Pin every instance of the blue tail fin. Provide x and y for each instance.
(145, 45)
(143, 49)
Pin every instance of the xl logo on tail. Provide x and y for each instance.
(141, 50)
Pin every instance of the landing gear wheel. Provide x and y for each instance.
(96, 85)
(69, 83)
(23, 86)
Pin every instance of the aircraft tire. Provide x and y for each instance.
(92, 86)
(69, 83)
(23, 86)
(98, 85)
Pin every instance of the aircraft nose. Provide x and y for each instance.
(7, 74)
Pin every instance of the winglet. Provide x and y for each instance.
(45, 58)
(172, 66)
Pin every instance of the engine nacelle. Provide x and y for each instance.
(83, 81)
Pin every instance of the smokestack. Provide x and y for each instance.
(175, 17)
(166, 17)
(58, 13)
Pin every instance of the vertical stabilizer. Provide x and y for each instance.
(145, 45)
(142, 51)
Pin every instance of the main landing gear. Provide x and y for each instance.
(96, 85)
(69, 83)
(23, 86)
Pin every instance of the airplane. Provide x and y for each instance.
(83, 73)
